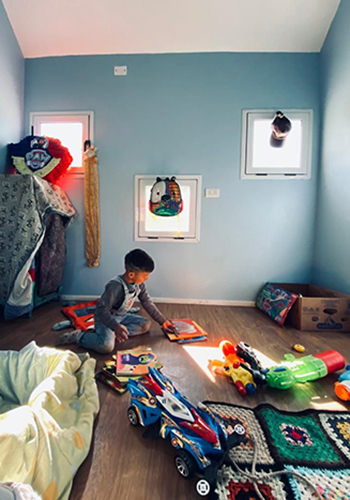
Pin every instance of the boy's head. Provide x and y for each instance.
(138, 266)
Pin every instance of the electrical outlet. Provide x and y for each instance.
(120, 70)
(212, 193)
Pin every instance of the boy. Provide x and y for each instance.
(113, 321)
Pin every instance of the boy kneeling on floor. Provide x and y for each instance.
(113, 320)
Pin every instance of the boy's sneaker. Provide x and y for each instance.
(68, 338)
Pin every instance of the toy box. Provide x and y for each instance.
(318, 308)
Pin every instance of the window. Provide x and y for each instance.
(72, 129)
(181, 227)
(259, 158)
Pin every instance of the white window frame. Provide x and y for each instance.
(84, 117)
(140, 233)
(248, 172)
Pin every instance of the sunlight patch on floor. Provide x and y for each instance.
(326, 403)
(202, 356)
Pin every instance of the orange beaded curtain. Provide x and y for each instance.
(92, 206)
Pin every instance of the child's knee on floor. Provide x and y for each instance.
(105, 347)
(146, 326)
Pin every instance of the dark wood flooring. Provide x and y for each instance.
(125, 466)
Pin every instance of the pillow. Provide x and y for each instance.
(276, 302)
(41, 156)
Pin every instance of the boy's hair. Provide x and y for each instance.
(139, 261)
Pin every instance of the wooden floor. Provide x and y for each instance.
(122, 464)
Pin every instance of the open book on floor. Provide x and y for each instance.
(187, 330)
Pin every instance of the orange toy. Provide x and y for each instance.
(233, 367)
(229, 351)
(81, 315)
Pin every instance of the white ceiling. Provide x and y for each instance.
(72, 27)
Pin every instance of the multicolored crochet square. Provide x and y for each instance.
(233, 485)
(244, 453)
(331, 484)
(337, 426)
(298, 439)
(295, 455)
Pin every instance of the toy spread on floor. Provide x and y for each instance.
(242, 365)
(203, 441)
(211, 442)
(201, 438)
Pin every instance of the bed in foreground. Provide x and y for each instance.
(48, 403)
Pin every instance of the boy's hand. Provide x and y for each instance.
(121, 333)
(170, 327)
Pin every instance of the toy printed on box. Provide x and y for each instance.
(166, 200)
(41, 156)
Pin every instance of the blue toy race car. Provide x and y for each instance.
(202, 439)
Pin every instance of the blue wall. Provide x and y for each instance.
(332, 249)
(11, 88)
(181, 113)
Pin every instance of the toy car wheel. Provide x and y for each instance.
(133, 416)
(203, 487)
(184, 463)
(239, 429)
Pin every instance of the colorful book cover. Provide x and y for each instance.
(186, 329)
(136, 361)
(110, 369)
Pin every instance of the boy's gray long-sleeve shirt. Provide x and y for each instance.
(113, 297)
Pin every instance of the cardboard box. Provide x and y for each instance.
(318, 308)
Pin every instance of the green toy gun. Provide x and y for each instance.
(300, 370)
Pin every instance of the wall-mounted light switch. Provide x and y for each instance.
(212, 192)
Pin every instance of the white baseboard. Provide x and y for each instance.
(79, 298)
(207, 302)
(163, 300)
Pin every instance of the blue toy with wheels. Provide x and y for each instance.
(202, 439)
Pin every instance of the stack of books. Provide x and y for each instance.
(126, 365)
(187, 330)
